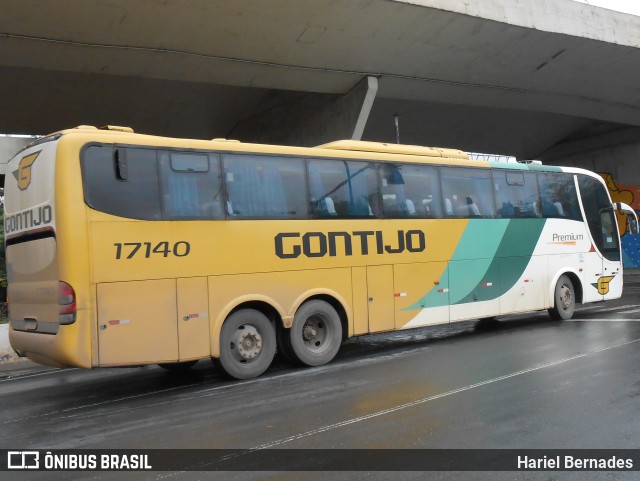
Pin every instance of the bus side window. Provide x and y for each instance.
(191, 187)
(468, 192)
(322, 205)
(363, 185)
(394, 201)
(516, 194)
(342, 188)
(410, 190)
(264, 186)
(558, 196)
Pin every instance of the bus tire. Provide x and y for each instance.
(247, 344)
(284, 345)
(178, 366)
(316, 333)
(564, 299)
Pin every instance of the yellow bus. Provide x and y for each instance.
(126, 249)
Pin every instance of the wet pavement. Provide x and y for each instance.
(527, 382)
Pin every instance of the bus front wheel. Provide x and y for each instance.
(564, 299)
(247, 344)
(316, 333)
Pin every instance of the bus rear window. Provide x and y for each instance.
(122, 181)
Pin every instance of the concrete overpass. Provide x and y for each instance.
(514, 77)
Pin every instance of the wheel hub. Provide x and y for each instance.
(314, 332)
(309, 332)
(248, 342)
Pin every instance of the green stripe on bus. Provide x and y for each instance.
(512, 257)
(491, 256)
(480, 241)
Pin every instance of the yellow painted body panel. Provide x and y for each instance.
(340, 149)
(380, 290)
(228, 263)
(412, 282)
(245, 246)
(137, 322)
(360, 300)
(74, 250)
(193, 318)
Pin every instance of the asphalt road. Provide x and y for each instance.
(527, 383)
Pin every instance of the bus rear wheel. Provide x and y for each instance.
(564, 299)
(284, 345)
(247, 344)
(316, 333)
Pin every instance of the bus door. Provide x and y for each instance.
(600, 218)
(610, 282)
(142, 322)
(380, 298)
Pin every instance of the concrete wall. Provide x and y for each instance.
(308, 119)
(615, 157)
(561, 16)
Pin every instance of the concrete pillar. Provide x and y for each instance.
(308, 119)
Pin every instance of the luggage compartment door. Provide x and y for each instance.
(137, 322)
(193, 318)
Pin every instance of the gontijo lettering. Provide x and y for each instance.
(28, 219)
(290, 245)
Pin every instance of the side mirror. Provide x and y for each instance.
(632, 217)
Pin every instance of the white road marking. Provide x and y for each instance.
(72, 412)
(408, 405)
(602, 320)
(606, 308)
(418, 402)
(16, 377)
(631, 311)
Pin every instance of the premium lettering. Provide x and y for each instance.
(567, 237)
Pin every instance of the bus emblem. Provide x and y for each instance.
(603, 284)
(23, 174)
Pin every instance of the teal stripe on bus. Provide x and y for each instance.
(511, 259)
(492, 252)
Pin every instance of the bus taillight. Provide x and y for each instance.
(67, 302)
